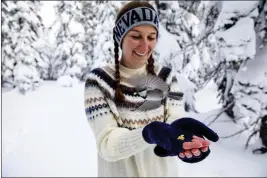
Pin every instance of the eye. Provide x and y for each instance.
(136, 37)
(151, 38)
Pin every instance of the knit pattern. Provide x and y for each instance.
(122, 151)
(126, 114)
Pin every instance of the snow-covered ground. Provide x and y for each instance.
(45, 133)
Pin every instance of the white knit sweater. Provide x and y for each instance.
(121, 149)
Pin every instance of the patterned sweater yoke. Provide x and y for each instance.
(118, 127)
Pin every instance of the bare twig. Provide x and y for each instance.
(231, 120)
(221, 113)
(239, 132)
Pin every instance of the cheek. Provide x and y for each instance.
(153, 45)
(130, 45)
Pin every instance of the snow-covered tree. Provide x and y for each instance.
(251, 102)
(68, 58)
(88, 18)
(192, 24)
(46, 50)
(261, 24)
(98, 18)
(8, 29)
(104, 48)
(250, 93)
(26, 29)
(237, 45)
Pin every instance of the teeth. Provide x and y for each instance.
(140, 54)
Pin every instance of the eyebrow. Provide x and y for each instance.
(141, 32)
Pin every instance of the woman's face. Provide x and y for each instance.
(138, 45)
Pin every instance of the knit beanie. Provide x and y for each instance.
(135, 17)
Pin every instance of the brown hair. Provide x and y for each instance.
(119, 97)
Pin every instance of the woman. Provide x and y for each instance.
(125, 135)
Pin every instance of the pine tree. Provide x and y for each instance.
(98, 20)
(104, 48)
(261, 24)
(192, 24)
(26, 27)
(234, 52)
(68, 58)
(46, 51)
(8, 29)
(89, 18)
(250, 106)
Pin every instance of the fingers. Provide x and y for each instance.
(204, 149)
(190, 145)
(182, 155)
(189, 153)
(204, 142)
(195, 152)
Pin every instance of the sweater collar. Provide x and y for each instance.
(128, 72)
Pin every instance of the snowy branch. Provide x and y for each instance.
(222, 111)
(194, 43)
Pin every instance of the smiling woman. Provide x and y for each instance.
(135, 142)
(138, 46)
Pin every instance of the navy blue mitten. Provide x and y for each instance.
(165, 136)
(158, 133)
(184, 129)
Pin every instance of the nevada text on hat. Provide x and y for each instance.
(135, 17)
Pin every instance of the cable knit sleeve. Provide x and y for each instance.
(113, 143)
(175, 108)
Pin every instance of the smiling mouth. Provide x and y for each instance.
(140, 54)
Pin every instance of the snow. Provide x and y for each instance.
(256, 69)
(46, 133)
(239, 7)
(47, 12)
(66, 81)
(251, 101)
(75, 28)
(234, 9)
(206, 100)
(24, 6)
(166, 50)
(244, 41)
(26, 77)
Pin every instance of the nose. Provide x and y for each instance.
(143, 45)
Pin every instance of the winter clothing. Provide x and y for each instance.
(126, 134)
(175, 134)
(122, 150)
(135, 17)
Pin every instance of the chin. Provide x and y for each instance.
(142, 59)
